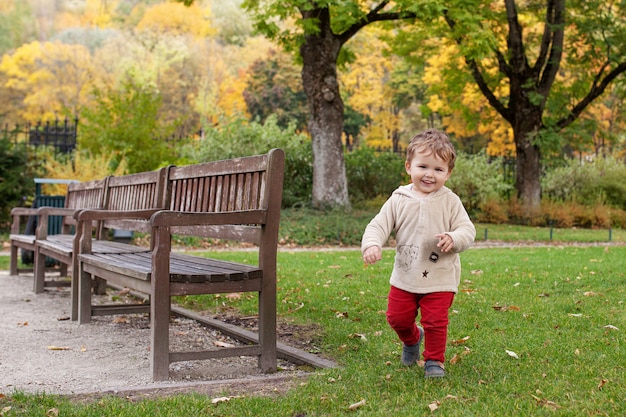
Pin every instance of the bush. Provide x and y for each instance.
(373, 174)
(588, 183)
(478, 181)
(238, 137)
(16, 186)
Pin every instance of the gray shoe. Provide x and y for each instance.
(411, 354)
(434, 369)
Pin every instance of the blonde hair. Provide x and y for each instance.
(432, 141)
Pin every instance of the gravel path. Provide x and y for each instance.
(41, 350)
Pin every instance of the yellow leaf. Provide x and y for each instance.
(59, 348)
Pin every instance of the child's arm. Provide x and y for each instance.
(446, 243)
(372, 255)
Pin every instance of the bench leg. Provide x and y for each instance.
(100, 286)
(63, 269)
(267, 327)
(84, 297)
(159, 329)
(13, 262)
(40, 271)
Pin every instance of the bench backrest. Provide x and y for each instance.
(234, 185)
(83, 195)
(141, 191)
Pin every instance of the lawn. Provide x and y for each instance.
(534, 331)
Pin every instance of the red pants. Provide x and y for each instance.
(402, 309)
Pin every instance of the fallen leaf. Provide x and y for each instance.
(545, 403)
(5, 410)
(53, 412)
(512, 354)
(59, 348)
(434, 405)
(291, 310)
(224, 399)
(610, 326)
(459, 341)
(602, 383)
(233, 296)
(223, 344)
(476, 272)
(589, 294)
(120, 320)
(358, 336)
(356, 405)
(334, 266)
(574, 314)
(64, 318)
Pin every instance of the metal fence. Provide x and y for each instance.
(60, 135)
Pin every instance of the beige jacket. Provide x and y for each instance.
(420, 267)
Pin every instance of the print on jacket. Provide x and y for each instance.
(406, 257)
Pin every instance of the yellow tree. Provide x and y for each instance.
(176, 19)
(53, 78)
(82, 166)
(464, 111)
(366, 83)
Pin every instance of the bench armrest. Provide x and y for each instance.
(18, 213)
(87, 215)
(169, 218)
(24, 211)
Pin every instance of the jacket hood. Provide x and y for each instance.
(406, 191)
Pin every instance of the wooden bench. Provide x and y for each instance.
(79, 195)
(237, 199)
(129, 192)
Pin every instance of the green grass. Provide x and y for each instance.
(549, 305)
(305, 227)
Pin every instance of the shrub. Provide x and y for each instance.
(15, 183)
(588, 183)
(493, 211)
(238, 137)
(477, 179)
(373, 174)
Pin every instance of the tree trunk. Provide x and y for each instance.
(319, 77)
(528, 171)
(526, 121)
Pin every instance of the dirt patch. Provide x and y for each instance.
(44, 351)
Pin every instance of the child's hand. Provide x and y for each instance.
(372, 255)
(445, 242)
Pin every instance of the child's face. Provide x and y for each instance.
(428, 172)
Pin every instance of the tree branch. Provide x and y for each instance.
(595, 91)
(373, 16)
(478, 76)
(484, 88)
(515, 42)
(555, 29)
